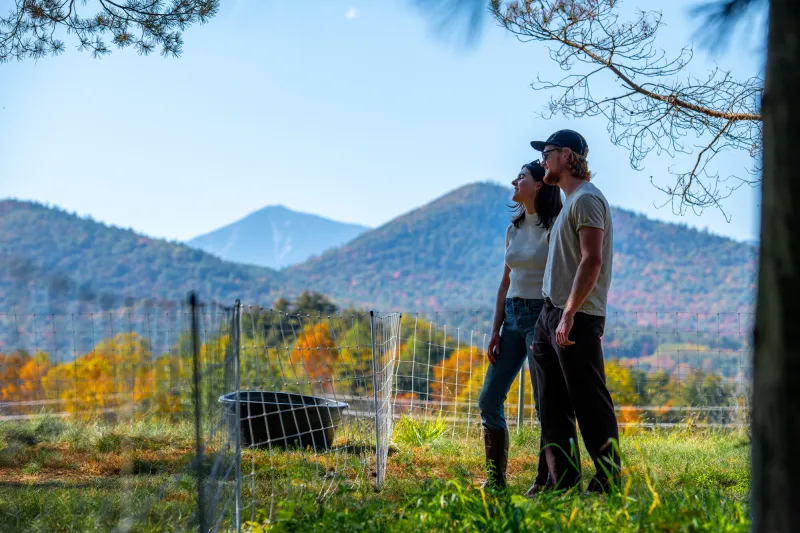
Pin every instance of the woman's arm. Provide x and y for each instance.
(500, 303)
(499, 311)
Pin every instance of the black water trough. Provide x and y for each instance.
(282, 419)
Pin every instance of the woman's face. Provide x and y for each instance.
(525, 187)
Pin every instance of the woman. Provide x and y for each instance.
(519, 302)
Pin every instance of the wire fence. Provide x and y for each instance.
(663, 369)
(105, 362)
(385, 347)
(134, 392)
(264, 404)
(215, 341)
(315, 397)
(110, 364)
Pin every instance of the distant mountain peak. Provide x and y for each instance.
(276, 237)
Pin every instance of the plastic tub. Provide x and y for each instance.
(282, 419)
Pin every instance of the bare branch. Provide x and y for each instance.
(656, 106)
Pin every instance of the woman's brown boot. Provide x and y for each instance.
(495, 444)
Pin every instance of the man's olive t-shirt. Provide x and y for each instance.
(585, 207)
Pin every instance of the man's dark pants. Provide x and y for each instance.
(572, 384)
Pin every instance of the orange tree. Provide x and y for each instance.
(21, 379)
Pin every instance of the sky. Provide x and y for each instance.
(358, 111)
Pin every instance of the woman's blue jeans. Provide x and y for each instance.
(516, 338)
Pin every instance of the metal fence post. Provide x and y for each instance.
(237, 342)
(521, 399)
(198, 433)
(375, 396)
(395, 363)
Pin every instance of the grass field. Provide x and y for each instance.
(63, 476)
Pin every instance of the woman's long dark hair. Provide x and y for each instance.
(547, 203)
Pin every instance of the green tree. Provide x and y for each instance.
(30, 30)
(708, 389)
(314, 303)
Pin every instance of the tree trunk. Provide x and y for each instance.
(776, 385)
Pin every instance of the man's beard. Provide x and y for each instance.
(552, 178)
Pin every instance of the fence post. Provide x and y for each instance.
(198, 433)
(521, 399)
(398, 342)
(237, 342)
(375, 397)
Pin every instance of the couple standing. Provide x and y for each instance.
(551, 305)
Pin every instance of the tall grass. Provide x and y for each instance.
(418, 432)
(57, 475)
(452, 506)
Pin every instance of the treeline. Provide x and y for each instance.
(308, 346)
(118, 373)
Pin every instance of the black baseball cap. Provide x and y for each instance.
(564, 139)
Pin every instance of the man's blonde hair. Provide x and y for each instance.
(578, 166)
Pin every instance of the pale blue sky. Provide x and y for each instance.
(358, 111)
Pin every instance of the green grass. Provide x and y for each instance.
(45, 429)
(68, 476)
(418, 433)
(452, 506)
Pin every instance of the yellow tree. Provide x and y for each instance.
(172, 372)
(622, 385)
(118, 371)
(168, 389)
(470, 387)
(455, 379)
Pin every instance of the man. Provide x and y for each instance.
(567, 350)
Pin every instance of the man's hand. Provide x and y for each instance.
(564, 328)
(494, 348)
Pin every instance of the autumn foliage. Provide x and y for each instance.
(317, 356)
(118, 373)
(21, 378)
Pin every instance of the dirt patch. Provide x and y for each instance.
(45, 476)
(62, 463)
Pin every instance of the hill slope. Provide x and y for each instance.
(49, 255)
(445, 255)
(276, 237)
(449, 254)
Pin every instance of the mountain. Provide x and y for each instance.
(49, 257)
(449, 255)
(445, 255)
(276, 237)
